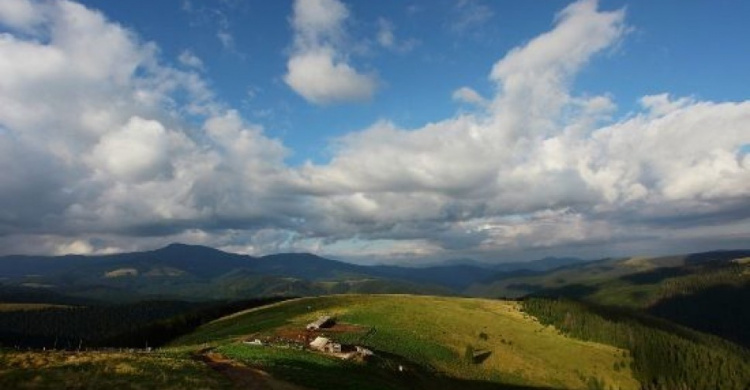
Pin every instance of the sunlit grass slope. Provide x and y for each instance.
(433, 334)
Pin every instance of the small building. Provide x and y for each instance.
(319, 343)
(333, 347)
(253, 342)
(324, 344)
(321, 322)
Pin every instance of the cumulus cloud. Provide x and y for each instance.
(468, 95)
(539, 168)
(94, 141)
(661, 104)
(319, 79)
(19, 14)
(105, 148)
(136, 152)
(534, 79)
(318, 69)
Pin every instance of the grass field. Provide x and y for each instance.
(29, 306)
(101, 370)
(430, 336)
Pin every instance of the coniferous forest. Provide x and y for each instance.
(136, 325)
(664, 356)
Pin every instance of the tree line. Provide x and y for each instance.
(714, 301)
(134, 325)
(664, 356)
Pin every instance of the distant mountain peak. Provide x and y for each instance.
(180, 248)
(180, 245)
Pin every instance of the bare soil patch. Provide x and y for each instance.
(242, 376)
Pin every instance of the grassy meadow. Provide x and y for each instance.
(100, 370)
(30, 306)
(431, 336)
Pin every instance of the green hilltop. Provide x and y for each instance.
(417, 342)
(441, 342)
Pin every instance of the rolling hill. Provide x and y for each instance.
(705, 291)
(416, 342)
(428, 336)
(105, 369)
(586, 279)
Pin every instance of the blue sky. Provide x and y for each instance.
(375, 131)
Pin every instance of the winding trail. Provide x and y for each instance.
(242, 376)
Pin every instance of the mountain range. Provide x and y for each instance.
(199, 273)
(194, 272)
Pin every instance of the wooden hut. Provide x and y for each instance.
(321, 322)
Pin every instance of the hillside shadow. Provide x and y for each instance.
(526, 287)
(377, 374)
(503, 275)
(719, 310)
(644, 318)
(718, 256)
(480, 356)
(571, 291)
(655, 276)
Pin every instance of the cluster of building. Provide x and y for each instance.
(343, 351)
(326, 345)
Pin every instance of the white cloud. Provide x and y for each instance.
(189, 59)
(470, 14)
(139, 151)
(105, 148)
(468, 95)
(318, 21)
(19, 14)
(538, 150)
(318, 70)
(94, 139)
(661, 104)
(76, 247)
(386, 38)
(226, 39)
(673, 156)
(321, 80)
(533, 79)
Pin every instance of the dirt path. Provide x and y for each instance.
(243, 377)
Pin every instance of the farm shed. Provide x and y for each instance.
(321, 322)
(319, 343)
(325, 345)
